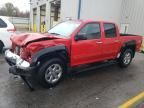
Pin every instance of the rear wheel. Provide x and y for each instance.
(51, 72)
(1, 47)
(125, 58)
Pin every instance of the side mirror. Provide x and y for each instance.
(80, 37)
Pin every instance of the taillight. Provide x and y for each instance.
(11, 30)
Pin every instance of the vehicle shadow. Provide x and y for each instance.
(101, 75)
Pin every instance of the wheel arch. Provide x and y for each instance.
(129, 45)
(1, 46)
(59, 51)
(2, 42)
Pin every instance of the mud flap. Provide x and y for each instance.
(27, 82)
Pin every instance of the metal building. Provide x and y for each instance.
(132, 15)
(128, 14)
(108, 10)
(44, 14)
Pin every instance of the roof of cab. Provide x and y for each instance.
(89, 21)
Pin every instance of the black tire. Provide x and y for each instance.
(123, 61)
(44, 69)
(1, 47)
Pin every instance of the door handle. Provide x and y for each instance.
(117, 41)
(99, 42)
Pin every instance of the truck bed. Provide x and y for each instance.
(131, 37)
(122, 34)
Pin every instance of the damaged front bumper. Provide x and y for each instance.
(18, 65)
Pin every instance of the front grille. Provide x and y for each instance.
(17, 50)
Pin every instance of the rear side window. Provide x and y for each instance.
(110, 30)
(2, 24)
(91, 31)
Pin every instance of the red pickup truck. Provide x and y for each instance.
(68, 45)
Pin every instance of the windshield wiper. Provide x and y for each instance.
(55, 33)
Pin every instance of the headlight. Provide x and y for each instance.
(17, 50)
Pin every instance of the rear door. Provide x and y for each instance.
(89, 50)
(111, 43)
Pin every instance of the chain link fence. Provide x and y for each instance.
(21, 24)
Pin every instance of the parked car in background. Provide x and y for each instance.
(7, 29)
(69, 45)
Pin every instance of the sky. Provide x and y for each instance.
(23, 5)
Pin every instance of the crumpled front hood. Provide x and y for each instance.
(26, 38)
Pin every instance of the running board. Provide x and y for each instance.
(85, 68)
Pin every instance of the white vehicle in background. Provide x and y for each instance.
(7, 29)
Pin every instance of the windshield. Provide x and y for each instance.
(65, 28)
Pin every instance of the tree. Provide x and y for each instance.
(9, 10)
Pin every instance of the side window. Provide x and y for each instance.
(110, 30)
(91, 31)
(2, 24)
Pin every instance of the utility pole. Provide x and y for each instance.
(79, 9)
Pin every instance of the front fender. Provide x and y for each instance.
(45, 53)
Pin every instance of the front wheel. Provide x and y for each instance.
(51, 72)
(125, 58)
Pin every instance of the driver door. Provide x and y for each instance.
(89, 48)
